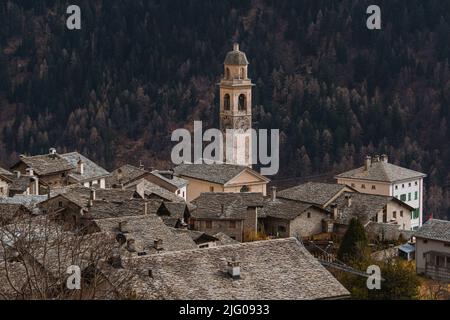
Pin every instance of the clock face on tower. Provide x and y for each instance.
(243, 123)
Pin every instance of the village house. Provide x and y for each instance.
(55, 170)
(128, 176)
(16, 183)
(204, 178)
(379, 177)
(369, 208)
(235, 214)
(87, 172)
(265, 270)
(284, 218)
(433, 250)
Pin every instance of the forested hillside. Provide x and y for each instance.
(116, 89)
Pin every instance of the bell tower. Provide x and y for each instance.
(236, 108)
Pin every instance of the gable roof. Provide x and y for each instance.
(133, 207)
(170, 178)
(17, 184)
(225, 205)
(269, 270)
(91, 169)
(145, 230)
(216, 173)
(81, 195)
(46, 164)
(435, 230)
(5, 172)
(147, 188)
(224, 239)
(125, 175)
(285, 208)
(313, 192)
(383, 172)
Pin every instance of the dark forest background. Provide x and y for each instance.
(138, 69)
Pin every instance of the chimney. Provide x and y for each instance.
(385, 158)
(92, 198)
(157, 244)
(274, 193)
(80, 166)
(52, 151)
(145, 208)
(131, 246)
(348, 199)
(18, 174)
(334, 215)
(376, 158)
(236, 47)
(141, 165)
(30, 172)
(123, 226)
(49, 193)
(234, 268)
(115, 260)
(368, 163)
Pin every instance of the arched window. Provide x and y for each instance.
(242, 102)
(245, 189)
(227, 102)
(227, 73)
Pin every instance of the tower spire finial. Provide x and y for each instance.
(236, 46)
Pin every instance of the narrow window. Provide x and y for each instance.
(242, 102)
(208, 224)
(227, 102)
(211, 189)
(363, 186)
(374, 187)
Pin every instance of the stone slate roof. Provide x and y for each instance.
(134, 207)
(312, 192)
(270, 270)
(387, 231)
(151, 189)
(5, 172)
(29, 201)
(363, 207)
(176, 211)
(224, 239)
(92, 170)
(284, 208)
(125, 175)
(145, 230)
(198, 237)
(236, 58)
(47, 164)
(216, 173)
(435, 230)
(173, 180)
(81, 195)
(225, 205)
(382, 171)
(18, 184)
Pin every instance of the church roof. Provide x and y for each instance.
(236, 57)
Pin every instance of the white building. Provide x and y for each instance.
(380, 177)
